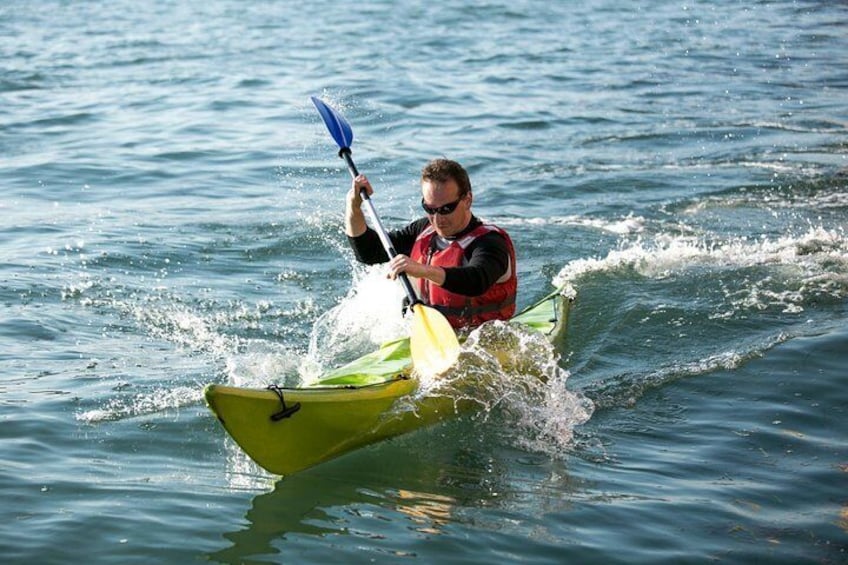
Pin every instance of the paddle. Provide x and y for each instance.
(432, 341)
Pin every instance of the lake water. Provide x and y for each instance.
(172, 216)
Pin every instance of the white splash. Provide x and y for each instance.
(186, 328)
(817, 256)
(142, 404)
(259, 363)
(369, 315)
(506, 368)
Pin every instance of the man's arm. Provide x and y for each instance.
(354, 218)
(368, 248)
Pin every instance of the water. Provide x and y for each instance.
(171, 217)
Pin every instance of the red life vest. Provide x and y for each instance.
(497, 303)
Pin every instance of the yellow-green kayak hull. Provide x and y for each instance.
(326, 423)
(285, 430)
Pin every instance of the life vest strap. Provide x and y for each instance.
(469, 311)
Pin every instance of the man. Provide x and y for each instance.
(465, 268)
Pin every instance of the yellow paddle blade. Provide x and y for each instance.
(432, 341)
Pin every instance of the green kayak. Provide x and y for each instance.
(286, 430)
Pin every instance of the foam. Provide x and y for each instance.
(141, 404)
(369, 315)
(504, 368)
(817, 258)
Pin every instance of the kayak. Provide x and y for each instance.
(286, 430)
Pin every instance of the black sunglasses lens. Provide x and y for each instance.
(444, 210)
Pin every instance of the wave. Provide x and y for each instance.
(625, 389)
(668, 306)
(813, 196)
(817, 258)
(810, 265)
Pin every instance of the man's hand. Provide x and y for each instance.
(403, 264)
(354, 198)
(354, 218)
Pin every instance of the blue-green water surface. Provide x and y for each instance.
(171, 216)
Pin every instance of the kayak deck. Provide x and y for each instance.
(286, 430)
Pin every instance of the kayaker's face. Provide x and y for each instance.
(437, 195)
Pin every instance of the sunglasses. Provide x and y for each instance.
(444, 209)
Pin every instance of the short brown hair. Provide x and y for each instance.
(443, 170)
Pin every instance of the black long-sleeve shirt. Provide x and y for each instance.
(487, 258)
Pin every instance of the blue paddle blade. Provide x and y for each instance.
(338, 126)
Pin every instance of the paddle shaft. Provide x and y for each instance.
(432, 341)
(381, 231)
